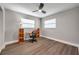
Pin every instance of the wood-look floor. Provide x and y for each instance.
(43, 46)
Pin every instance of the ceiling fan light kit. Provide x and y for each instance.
(40, 8)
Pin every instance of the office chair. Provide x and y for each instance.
(33, 36)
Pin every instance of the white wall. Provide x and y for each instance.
(1, 30)
(12, 24)
(67, 26)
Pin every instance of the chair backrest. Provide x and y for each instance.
(34, 34)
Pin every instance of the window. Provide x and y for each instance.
(26, 23)
(50, 23)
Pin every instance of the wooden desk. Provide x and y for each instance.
(21, 34)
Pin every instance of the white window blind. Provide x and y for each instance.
(50, 23)
(26, 23)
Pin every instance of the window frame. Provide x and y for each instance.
(27, 23)
(50, 23)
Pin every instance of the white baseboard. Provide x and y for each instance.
(62, 41)
(6, 43)
(10, 42)
(1, 48)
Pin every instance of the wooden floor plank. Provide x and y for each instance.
(43, 46)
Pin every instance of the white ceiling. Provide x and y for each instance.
(50, 8)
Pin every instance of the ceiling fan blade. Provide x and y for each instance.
(0, 9)
(35, 11)
(41, 6)
(43, 11)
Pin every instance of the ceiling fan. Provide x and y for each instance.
(40, 8)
